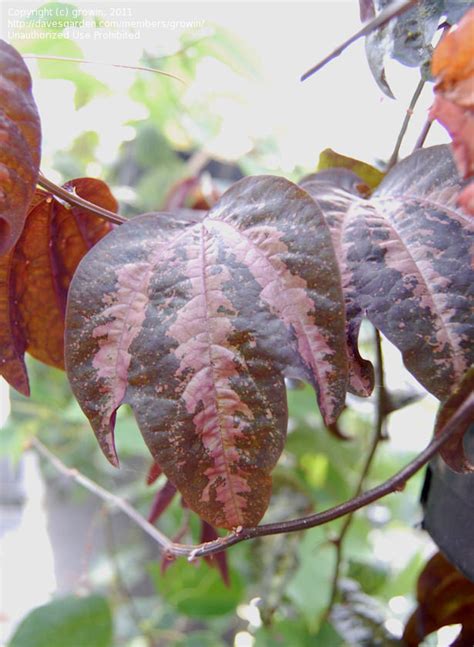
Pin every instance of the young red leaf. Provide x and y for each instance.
(445, 597)
(161, 501)
(35, 277)
(195, 324)
(153, 473)
(405, 260)
(208, 533)
(20, 145)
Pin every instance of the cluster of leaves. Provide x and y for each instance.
(195, 319)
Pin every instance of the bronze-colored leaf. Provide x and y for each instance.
(35, 277)
(20, 145)
(445, 597)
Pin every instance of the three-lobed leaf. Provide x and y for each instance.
(20, 145)
(35, 277)
(195, 325)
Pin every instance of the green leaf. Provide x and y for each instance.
(371, 575)
(294, 632)
(197, 591)
(310, 588)
(369, 174)
(67, 622)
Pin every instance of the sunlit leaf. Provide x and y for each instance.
(20, 141)
(453, 66)
(370, 175)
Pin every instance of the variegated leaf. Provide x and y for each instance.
(335, 191)
(406, 261)
(195, 325)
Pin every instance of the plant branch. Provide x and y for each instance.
(123, 590)
(392, 11)
(423, 135)
(378, 435)
(140, 68)
(408, 115)
(76, 201)
(112, 499)
(393, 484)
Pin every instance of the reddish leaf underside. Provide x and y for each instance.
(405, 258)
(20, 141)
(35, 277)
(194, 326)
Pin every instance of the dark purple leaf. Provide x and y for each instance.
(194, 326)
(153, 473)
(405, 260)
(453, 452)
(208, 533)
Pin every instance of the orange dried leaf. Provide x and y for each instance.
(453, 66)
(453, 62)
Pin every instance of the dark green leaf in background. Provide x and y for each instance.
(67, 622)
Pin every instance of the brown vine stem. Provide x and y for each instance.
(393, 484)
(378, 435)
(140, 68)
(76, 201)
(408, 115)
(392, 11)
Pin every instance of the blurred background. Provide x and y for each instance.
(240, 110)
